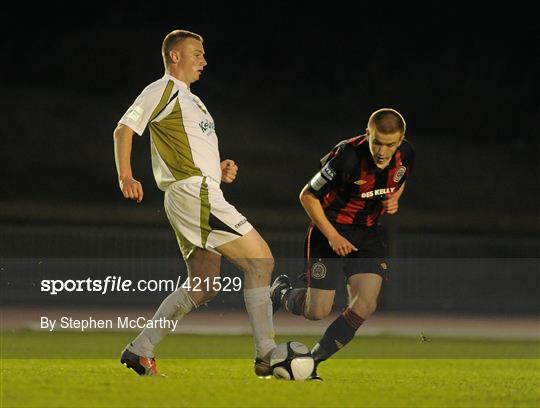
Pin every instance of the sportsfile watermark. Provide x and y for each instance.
(119, 284)
(428, 308)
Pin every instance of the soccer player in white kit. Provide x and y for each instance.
(187, 167)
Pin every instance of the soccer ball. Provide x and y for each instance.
(291, 361)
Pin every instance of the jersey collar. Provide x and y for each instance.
(176, 81)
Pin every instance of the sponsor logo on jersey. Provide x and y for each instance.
(318, 270)
(377, 192)
(360, 182)
(206, 125)
(399, 173)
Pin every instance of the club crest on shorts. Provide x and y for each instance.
(318, 270)
(399, 173)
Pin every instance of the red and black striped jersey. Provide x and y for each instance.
(351, 187)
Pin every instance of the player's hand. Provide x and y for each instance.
(390, 205)
(341, 245)
(229, 169)
(131, 189)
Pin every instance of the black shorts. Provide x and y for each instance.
(324, 268)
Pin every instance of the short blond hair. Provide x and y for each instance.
(386, 121)
(173, 38)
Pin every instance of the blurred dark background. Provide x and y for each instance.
(285, 82)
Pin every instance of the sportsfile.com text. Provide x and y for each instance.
(119, 284)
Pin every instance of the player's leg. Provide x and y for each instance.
(186, 205)
(321, 273)
(319, 303)
(312, 303)
(201, 264)
(215, 225)
(188, 208)
(364, 289)
(252, 255)
(364, 273)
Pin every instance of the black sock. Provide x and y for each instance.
(294, 301)
(337, 335)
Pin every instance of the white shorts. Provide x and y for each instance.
(200, 215)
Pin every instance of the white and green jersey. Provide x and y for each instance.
(182, 133)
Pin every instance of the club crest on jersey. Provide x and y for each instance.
(318, 270)
(360, 182)
(399, 173)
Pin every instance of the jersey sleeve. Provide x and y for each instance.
(334, 173)
(138, 114)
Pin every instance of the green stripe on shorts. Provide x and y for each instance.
(186, 247)
(205, 213)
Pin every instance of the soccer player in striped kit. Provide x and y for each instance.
(360, 180)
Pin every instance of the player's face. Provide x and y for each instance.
(383, 146)
(191, 61)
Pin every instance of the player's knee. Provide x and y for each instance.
(265, 250)
(263, 265)
(209, 295)
(269, 263)
(266, 260)
(317, 312)
(265, 255)
(364, 307)
(202, 297)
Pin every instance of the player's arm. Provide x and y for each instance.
(391, 204)
(131, 188)
(314, 210)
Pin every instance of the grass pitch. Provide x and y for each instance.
(82, 370)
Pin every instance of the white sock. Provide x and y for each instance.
(259, 309)
(174, 307)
